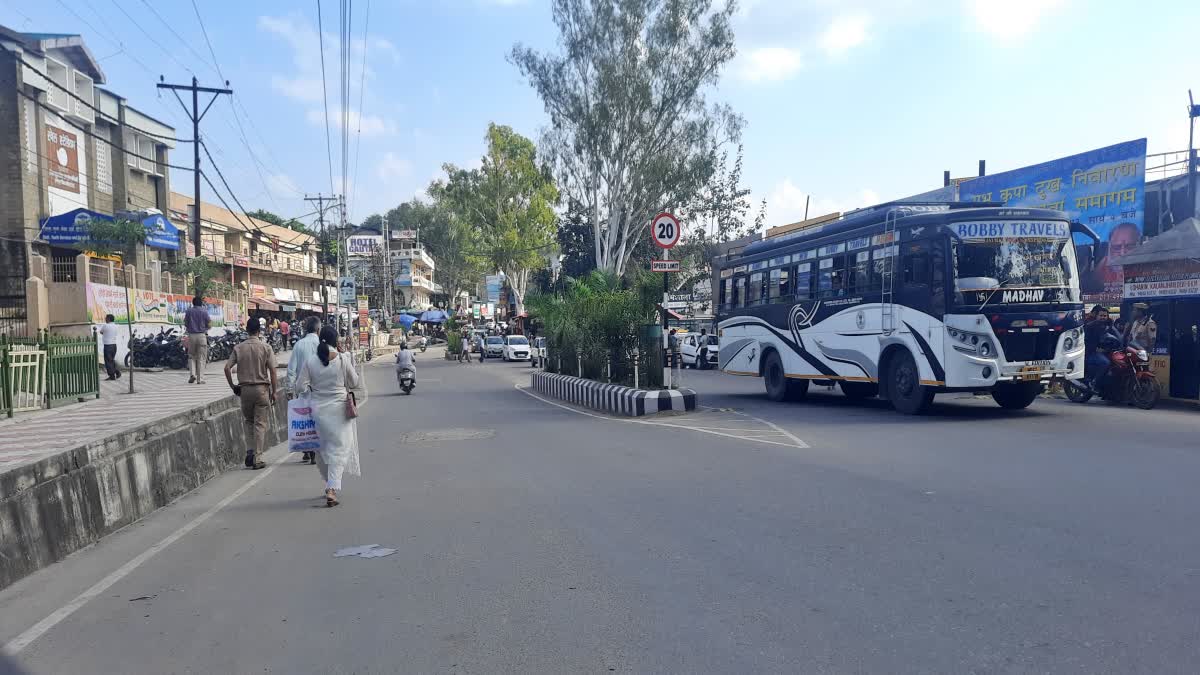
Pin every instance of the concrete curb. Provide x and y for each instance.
(613, 399)
(60, 504)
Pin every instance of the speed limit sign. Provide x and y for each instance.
(665, 230)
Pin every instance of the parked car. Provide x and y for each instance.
(538, 354)
(516, 348)
(699, 351)
(494, 346)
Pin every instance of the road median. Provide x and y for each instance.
(612, 399)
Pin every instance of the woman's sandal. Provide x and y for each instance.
(331, 499)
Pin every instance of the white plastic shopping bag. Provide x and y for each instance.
(302, 426)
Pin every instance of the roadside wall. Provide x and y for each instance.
(61, 504)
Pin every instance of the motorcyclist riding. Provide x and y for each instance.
(405, 361)
(1094, 330)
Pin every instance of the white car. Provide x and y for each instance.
(537, 355)
(699, 351)
(516, 348)
(493, 346)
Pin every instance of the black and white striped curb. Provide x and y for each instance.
(613, 399)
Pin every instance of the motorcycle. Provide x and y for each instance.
(1128, 380)
(407, 379)
(220, 348)
(159, 350)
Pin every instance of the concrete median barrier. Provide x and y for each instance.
(613, 399)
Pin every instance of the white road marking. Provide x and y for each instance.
(796, 442)
(59, 615)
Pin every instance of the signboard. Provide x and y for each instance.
(160, 233)
(364, 319)
(404, 235)
(403, 271)
(70, 227)
(62, 159)
(1103, 189)
(679, 297)
(1162, 280)
(665, 230)
(106, 299)
(361, 245)
(347, 292)
(664, 265)
(677, 304)
(493, 283)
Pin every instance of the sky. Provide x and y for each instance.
(847, 102)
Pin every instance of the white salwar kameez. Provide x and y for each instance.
(339, 435)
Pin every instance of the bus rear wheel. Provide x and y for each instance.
(774, 377)
(905, 391)
(1016, 395)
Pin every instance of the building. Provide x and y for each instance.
(409, 276)
(276, 267)
(69, 145)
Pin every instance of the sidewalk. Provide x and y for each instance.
(32, 436)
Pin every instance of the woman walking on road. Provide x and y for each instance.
(337, 390)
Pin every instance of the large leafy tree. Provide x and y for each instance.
(631, 131)
(575, 241)
(509, 201)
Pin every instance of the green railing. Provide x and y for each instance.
(71, 370)
(65, 370)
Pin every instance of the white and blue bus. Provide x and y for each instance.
(908, 300)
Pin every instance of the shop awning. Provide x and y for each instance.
(1178, 243)
(264, 304)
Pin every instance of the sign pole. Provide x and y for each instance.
(666, 340)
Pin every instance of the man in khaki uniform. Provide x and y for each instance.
(1143, 330)
(257, 387)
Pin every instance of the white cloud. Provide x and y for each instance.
(392, 167)
(301, 36)
(281, 185)
(845, 32)
(369, 125)
(770, 64)
(1011, 20)
(786, 203)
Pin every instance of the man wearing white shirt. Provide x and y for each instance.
(305, 349)
(108, 337)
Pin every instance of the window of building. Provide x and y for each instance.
(60, 83)
(130, 145)
(804, 281)
(145, 148)
(739, 293)
(103, 166)
(85, 91)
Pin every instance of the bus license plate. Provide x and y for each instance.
(1030, 373)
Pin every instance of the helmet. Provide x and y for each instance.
(1110, 342)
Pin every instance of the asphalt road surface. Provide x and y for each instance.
(818, 537)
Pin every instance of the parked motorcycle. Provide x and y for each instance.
(157, 350)
(1128, 380)
(221, 347)
(407, 379)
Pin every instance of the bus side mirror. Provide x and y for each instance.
(1080, 228)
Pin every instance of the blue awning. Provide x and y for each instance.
(160, 233)
(70, 227)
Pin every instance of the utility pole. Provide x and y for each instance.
(196, 115)
(1193, 113)
(320, 199)
(387, 280)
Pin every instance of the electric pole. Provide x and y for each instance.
(323, 240)
(195, 115)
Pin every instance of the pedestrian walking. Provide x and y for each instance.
(336, 391)
(306, 348)
(108, 336)
(257, 387)
(285, 329)
(197, 322)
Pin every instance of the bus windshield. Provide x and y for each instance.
(983, 265)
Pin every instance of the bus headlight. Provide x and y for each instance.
(985, 349)
(1068, 344)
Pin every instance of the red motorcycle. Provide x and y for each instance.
(1128, 380)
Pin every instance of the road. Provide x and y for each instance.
(817, 537)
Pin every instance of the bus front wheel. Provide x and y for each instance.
(907, 394)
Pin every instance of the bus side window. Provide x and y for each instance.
(916, 268)
(779, 289)
(727, 292)
(860, 273)
(937, 268)
(804, 281)
(831, 279)
(739, 295)
(756, 290)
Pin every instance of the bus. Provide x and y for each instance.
(908, 300)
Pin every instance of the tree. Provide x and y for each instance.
(266, 216)
(373, 222)
(203, 274)
(509, 200)
(121, 238)
(575, 241)
(631, 132)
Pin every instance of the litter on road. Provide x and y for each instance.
(367, 551)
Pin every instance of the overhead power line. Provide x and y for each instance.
(361, 88)
(325, 94)
(151, 39)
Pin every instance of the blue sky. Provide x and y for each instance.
(850, 102)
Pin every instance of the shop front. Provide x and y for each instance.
(1164, 273)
